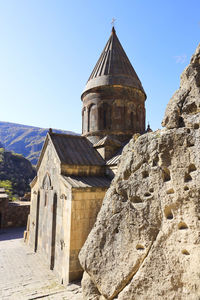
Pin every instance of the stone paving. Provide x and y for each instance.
(25, 276)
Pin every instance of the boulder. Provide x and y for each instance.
(183, 108)
(145, 243)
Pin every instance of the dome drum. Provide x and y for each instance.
(113, 99)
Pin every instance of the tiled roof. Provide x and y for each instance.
(114, 160)
(107, 140)
(90, 181)
(75, 150)
(113, 67)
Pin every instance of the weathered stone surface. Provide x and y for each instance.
(184, 107)
(146, 241)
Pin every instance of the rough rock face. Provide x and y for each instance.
(146, 241)
(183, 108)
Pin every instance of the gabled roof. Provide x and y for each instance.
(73, 150)
(113, 161)
(87, 181)
(113, 67)
(33, 182)
(107, 141)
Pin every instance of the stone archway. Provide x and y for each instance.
(53, 235)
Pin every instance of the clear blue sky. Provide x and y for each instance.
(48, 49)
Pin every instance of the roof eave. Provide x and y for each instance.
(101, 81)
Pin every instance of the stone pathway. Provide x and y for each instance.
(24, 276)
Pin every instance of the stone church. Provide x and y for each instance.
(74, 172)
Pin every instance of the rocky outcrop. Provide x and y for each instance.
(146, 241)
(183, 108)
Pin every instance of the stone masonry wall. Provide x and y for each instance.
(14, 214)
(85, 206)
(17, 214)
(47, 194)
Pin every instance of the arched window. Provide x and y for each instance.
(46, 184)
(83, 119)
(104, 119)
(45, 199)
(88, 121)
(92, 117)
(131, 120)
(105, 112)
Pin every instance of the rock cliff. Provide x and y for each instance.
(183, 108)
(146, 241)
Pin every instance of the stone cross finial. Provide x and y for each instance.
(113, 22)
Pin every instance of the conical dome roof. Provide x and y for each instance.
(113, 67)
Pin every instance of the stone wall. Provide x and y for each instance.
(61, 216)
(14, 214)
(85, 206)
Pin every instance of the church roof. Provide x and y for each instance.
(87, 181)
(75, 150)
(113, 67)
(114, 160)
(107, 140)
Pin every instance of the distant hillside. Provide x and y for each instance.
(16, 172)
(23, 139)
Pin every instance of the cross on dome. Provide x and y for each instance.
(113, 22)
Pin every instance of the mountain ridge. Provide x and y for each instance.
(25, 139)
(16, 172)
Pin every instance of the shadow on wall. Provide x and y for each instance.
(11, 233)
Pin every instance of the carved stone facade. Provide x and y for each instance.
(64, 206)
(117, 111)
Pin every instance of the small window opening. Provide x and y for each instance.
(104, 119)
(45, 199)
